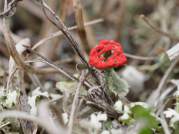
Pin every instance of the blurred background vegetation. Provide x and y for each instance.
(147, 29)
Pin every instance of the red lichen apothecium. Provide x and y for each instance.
(107, 54)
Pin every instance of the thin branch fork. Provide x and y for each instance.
(19, 61)
(52, 17)
(9, 9)
(105, 107)
(68, 75)
(56, 34)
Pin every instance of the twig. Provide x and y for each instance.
(32, 8)
(147, 21)
(11, 44)
(3, 125)
(59, 33)
(79, 17)
(9, 9)
(65, 9)
(68, 75)
(43, 122)
(45, 113)
(27, 127)
(121, 17)
(136, 57)
(165, 97)
(35, 80)
(22, 104)
(164, 124)
(153, 97)
(75, 101)
(18, 60)
(10, 77)
(54, 19)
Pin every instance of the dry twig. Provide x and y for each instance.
(140, 57)
(54, 19)
(74, 104)
(147, 21)
(68, 75)
(9, 9)
(59, 33)
(80, 24)
(153, 97)
(44, 120)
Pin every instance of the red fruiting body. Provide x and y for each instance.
(107, 54)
